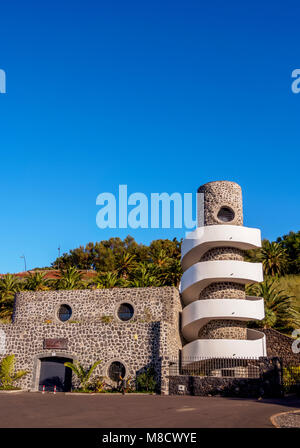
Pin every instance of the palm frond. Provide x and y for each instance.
(92, 368)
(19, 375)
(74, 368)
(7, 366)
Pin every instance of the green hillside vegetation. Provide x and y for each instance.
(291, 284)
(125, 263)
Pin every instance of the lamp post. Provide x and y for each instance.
(58, 256)
(23, 256)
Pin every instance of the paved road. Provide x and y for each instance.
(30, 410)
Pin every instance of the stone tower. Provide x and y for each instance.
(216, 308)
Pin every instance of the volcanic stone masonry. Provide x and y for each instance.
(95, 331)
(216, 196)
(216, 311)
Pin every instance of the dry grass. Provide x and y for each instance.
(291, 285)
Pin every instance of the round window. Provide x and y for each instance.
(226, 214)
(64, 313)
(116, 371)
(125, 311)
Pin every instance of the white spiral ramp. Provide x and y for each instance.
(198, 275)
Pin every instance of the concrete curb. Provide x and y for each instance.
(12, 391)
(273, 417)
(69, 393)
(103, 394)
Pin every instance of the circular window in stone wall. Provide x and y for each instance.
(125, 311)
(225, 214)
(116, 371)
(64, 312)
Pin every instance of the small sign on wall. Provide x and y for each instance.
(56, 343)
(181, 389)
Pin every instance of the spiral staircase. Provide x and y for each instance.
(216, 308)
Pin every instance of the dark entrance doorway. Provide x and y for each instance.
(54, 373)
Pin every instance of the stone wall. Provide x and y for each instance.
(269, 384)
(95, 331)
(224, 329)
(95, 305)
(223, 290)
(280, 345)
(223, 253)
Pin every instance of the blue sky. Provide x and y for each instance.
(160, 95)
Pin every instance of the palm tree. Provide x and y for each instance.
(161, 259)
(108, 280)
(82, 373)
(145, 276)
(280, 312)
(70, 278)
(125, 264)
(274, 258)
(9, 286)
(172, 274)
(8, 376)
(35, 281)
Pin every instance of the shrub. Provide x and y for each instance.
(82, 373)
(145, 381)
(97, 384)
(291, 378)
(8, 376)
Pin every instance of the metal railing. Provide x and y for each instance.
(216, 367)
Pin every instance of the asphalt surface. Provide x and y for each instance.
(37, 410)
